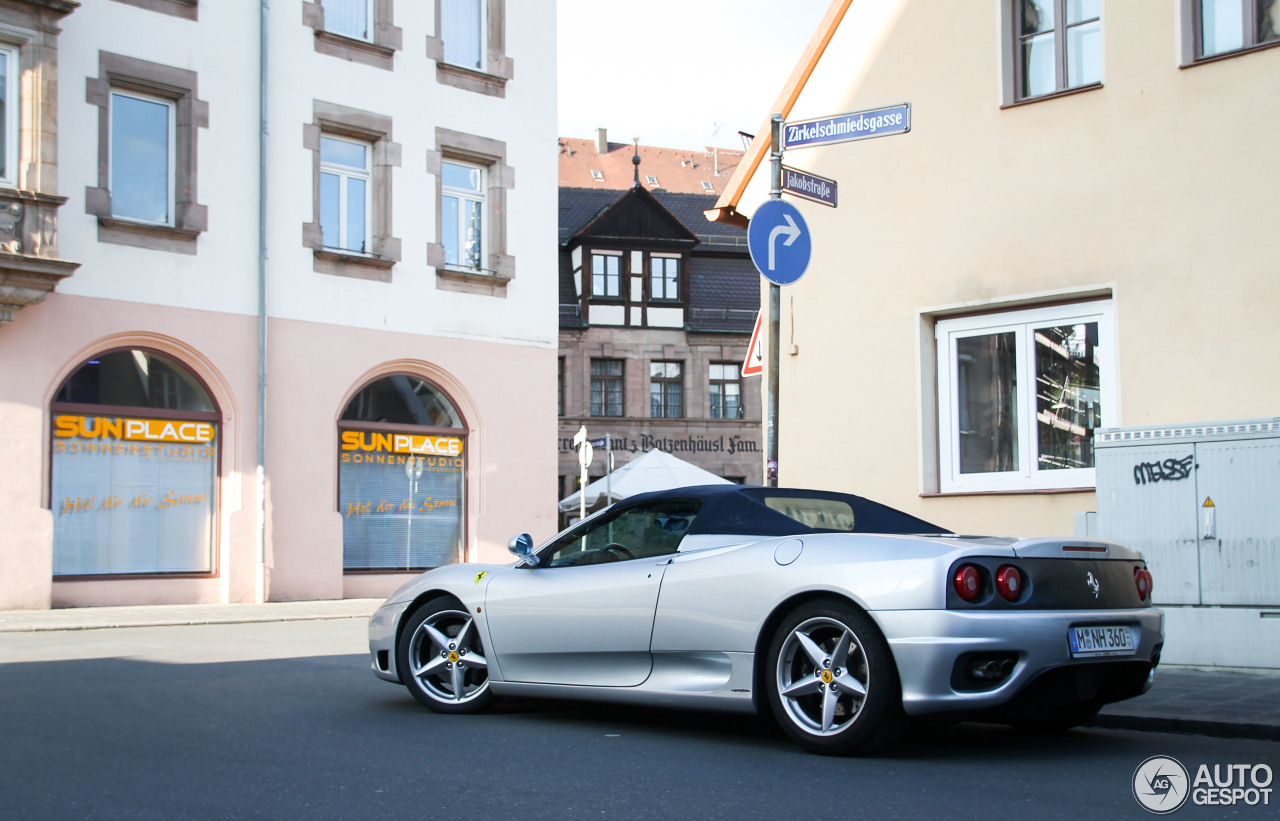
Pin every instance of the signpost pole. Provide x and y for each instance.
(775, 299)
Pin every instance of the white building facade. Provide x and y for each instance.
(291, 333)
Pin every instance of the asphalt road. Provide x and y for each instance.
(284, 720)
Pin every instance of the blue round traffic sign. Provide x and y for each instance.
(779, 240)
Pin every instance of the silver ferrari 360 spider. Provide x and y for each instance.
(841, 616)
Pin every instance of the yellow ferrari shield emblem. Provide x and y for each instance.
(826, 676)
(481, 575)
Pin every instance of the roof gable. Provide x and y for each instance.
(638, 216)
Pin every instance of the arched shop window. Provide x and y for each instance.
(401, 477)
(134, 468)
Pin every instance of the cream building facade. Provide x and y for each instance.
(290, 331)
(1076, 234)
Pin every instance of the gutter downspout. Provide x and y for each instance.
(260, 477)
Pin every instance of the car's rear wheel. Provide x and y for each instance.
(831, 680)
(442, 659)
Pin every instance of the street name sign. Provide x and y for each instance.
(779, 241)
(809, 186)
(841, 128)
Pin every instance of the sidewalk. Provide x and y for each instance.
(161, 615)
(1216, 703)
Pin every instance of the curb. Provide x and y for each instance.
(62, 628)
(1187, 726)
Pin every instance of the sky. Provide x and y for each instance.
(677, 73)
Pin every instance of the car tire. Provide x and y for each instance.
(441, 658)
(825, 703)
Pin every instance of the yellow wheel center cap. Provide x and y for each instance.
(454, 657)
(826, 676)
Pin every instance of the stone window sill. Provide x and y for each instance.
(357, 51)
(147, 235)
(471, 80)
(361, 266)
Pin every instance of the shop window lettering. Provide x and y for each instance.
(171, 499)
(425, 506)
(198, 452)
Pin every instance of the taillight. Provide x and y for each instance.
(1009, 582)
(968, 582)
(1143, 581)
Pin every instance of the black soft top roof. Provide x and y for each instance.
(741, 510)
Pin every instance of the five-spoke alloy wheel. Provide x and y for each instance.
(831, 680)
(442, 660)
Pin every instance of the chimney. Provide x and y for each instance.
(602, 141)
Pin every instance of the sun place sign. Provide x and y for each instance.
(857, 125)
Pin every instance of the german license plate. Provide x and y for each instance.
(1102, 640)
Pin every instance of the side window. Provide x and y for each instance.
(344, 198)
(1217, 28)
(472, 180)
(361, 31)
(149, 119)
(462, 215)
(9, 116)
(469, 46)
(644, 532)
(1057, 47)
(352, 160)
(1020, 395)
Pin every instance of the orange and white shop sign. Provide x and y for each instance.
(67, 426)
(408, 443)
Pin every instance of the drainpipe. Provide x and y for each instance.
(260, 477)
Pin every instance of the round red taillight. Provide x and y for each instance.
(1142, 580)
(968, 582)
(1009, 582)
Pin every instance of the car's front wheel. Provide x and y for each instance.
(831, 680)
(442, 659)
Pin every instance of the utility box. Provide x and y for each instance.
(1202, 503)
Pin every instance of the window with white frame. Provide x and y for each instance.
(462, 214)
(1225, 26)
(462, 30)
(141, 158)
(1058, 46)
(725, 391)
(605, 275)
(1020, 395)
(666, 390)
(9, 116)
(664, 277)
(149, 118)
(344, 194)
(350, 18)
(469, 45)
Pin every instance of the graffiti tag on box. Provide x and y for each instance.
(1169, 470)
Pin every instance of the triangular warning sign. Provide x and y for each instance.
(754, 363)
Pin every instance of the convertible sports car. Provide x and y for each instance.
(845, 617)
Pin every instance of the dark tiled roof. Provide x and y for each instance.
(724, 292)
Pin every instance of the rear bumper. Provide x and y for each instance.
(931, 646)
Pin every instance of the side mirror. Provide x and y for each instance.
(522, 547)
